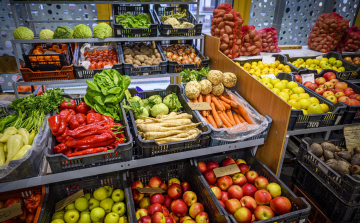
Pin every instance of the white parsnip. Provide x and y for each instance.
(157, 135)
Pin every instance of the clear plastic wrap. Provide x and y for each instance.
(89, 48)
(269, 40)
(350, 40)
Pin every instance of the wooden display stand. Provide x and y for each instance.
(265, 101)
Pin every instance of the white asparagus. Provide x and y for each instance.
(154, 128)
(157, 135)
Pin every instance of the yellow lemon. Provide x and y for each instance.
(295, 97)
(277, 63)
(256, 68)
(305, 103)
(272, 65)
(263, 72)
(294, 103)
(251, 71)
(280, 66)
(304, 111)
(304, 95)
(266, 64)
(288, 91)
(257, 73)
(285, 82)
(284, 96)
(287, 69)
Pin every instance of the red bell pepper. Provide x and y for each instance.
(82, 108)
(68, 103)
(62, 148)
(107, 118)
(87, 142)
(54, 123)
(93, 117)
(88, 130)
(77, 120)
(32, 202)
(67, 113)
(91, 111)
(87, 151)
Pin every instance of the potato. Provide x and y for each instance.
(136, 62)
(228, 30)
(221, 25)
(157, 55)
(251, 48)
(128, 61)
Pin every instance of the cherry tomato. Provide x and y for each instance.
(106, 51)
(112, 52)
(95, 53)
(99, 65)
(92, 66)
(101, 55)
(110, 58)
(93, 62)
(105, 63)
(109, 63)
(106, 54)
(114, 62)
(85, 53)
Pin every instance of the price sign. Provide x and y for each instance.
(226, 170)
(272, 76)
(199, 106)
(352, 136)
(268, 59)
(319, 57)
(10, 212)
(63, 203)
(308, 77)
(155, 190)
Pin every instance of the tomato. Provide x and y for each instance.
(93, 62)
(110, 64)
(92, 66)
(114, 62)
(101, 55)
(95, 53)
(99, 65)
(87, 58)
(110, 58)
(105, 63)
(85, 53)
(106, 54)
(112, 52)
(106, 51)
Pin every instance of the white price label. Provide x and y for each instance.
(308, 77)
(268, 59)
(272, 76)
(319, 57)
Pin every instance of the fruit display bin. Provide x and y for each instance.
(61, 190)
(215, 142)
(61, 163)
(120, 31)
(300, 208)
(174, 67)
(349, 75)
(300, 121)
(279, 57)
(150, 148)
(25, 193)
(82, 73)
(184, 171)
(168, 30)
(131, 70)
(335, 207)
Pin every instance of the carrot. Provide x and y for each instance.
(231, 117)
(195, 100)
(246, 115)
(241, 118)
(216, 116)
(228, 119)
(233, 104)
(208, 99)
(217, 104)
(226, 105)
(224, 120)
(212, 121)
(235, 110)
(192, 100)
(224, 99)
(200, 98)
(236, 118)
(207, 121)
(204, 112)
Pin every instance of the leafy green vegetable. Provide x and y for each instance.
(192, 75)
(142, 20)
(82, 31)
(102, 31)
(46, 34)
(23, 32)
(63, 32)
(178, 15)
(172, 101)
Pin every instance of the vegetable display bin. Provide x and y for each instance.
(354, 74)
(61, 190)
(279, 57)
(82, 73)
(184, 171)
(27, 192)
(61, 163)
(300, 208)
(168, 30)
(119, 29)
(215, 142)
(131, 70)
(150, 148)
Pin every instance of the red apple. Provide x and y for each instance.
(327, 94)
(349, 92)
(298, 78)
(307, 83)
(251, 176)
(334, 81)
(202, 166)
(239, 179)
(236, 192)
(338, 90)
(136, 184)
(352, 102)
(32, 202)
(141, 212)
(329, 76)
(189, 198)
(173, 216)
(320, 90)
(137, 195)
(280, 205)
(313, 86)
(243, 168)
(332, 90)
(217, 192)
(224, 182)
(238, 161)
(341, 85)
(243, 215)
(210, 177)
(195, 209)
(320, 80)
(189, 221)
(169, 220)
(173, 181)
(232, 205)
(13, 201)
(343, 99)
(249, 203)
(262, 197)
(261, 182)
(202, 217)
(167, 200)
(323, 86)
(157, 198)
(222, 203)
(227, 162)
(155, 182)
(212, 165)
(224, 196)
(165, 211)
(353, 96)
(154, 208)
(185, 218)
(329, 84)
(179, 208)
(357, 96)
(30, 218)
(185, 186)
(263, 212)
(158, 217)
(249, 190)
(145, 219)
(339, 94)
(175, 191)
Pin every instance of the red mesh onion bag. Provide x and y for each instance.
(226, 25)
(327, 32)
(350, 40)
(251, 43)
(269, 40)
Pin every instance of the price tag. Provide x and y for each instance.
(268, 59)
(319, 57)
(226, 170)
(272, 76)
(155, 190)
(63, 203)
(145, 74)
(352, 136)
(10, 212)
(199, 106)
(308, 77)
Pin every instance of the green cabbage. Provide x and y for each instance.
(63, 32)
(82, 31)
(159, 109)
(46, 34)
(102, 31)
(23, 33)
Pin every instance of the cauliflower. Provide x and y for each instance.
(206, 86)
(215, 77)
(173, 22)
(229, 79)
(187, 25)
(217, 89)
(192, 89)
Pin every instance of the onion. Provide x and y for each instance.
(185, 57)
(169, 55)
(190, 60)
(185, 61)
(198, 58)
(187, 51)
(180, 52)
(192, 56)
(174, 57)
(193, 50)
(197, 61)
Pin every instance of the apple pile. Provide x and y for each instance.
(105, 205)
(28, 208)
(334, 90)
(179, 204)
(246, 195)
(319, 65)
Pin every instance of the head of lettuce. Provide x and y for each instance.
(63, 32)
(23, 33)
(82, 31)
(102, 31)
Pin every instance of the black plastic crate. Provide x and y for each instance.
(120, 31)
(300, 208)
(184, 171)
(168, 30)
(174, 67)
(61, 190)
(335, 208)
(48, 62)
(300, 121)
(82, 73)
(131, 70)
(279, 57)
(349, 75)
(60, 163)
(150, 148)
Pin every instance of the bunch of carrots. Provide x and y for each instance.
(221, 115)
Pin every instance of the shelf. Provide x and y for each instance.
(58, 177)
(354, 81)
(102, 2)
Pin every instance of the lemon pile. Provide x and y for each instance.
(259, 68)
(319, 65)
(295, 95)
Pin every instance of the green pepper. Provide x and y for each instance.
(6, 120)
(31, 137)
(14, 144)
(21, 153)
(2, 154)
(8, 132)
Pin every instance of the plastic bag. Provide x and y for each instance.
(269, 40)
(251, 43)
(89, 48)
(350, 40)
(327, 32)
(226, 25)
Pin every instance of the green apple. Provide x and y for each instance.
(295, 97)
(280, 86)
(284, 96)
(112, 218)
(58, 221)
(274, 189)
(313, 66)
(85, 217)
(266, 80)
(324, 59)
(285, 82)
(294, 104)
(332, 60)
(87, 196)
(276, 90)
(81, 204)
(123, 219)
(119, 208)
(93, 203)
(268, 85)
(70, 207)
(287, 91)
(314, 100)
(100, 193)
(298, 90)
(315, 109)
(300, 60)
(109, 190)
(304, 95)
(304, 111)
(97, 214)
(292, 84)
(341, 69)
(118, 195)
(305, 103)
(275, 81)
(106, 204)
(257, 78)
(58, 215)
(71, 216)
